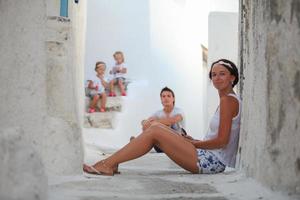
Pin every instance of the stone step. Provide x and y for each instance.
(104, 120)
(112, 104)
(99, 120)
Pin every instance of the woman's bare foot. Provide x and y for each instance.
(90, 169)
(100, 168)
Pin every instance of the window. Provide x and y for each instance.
(64, 8)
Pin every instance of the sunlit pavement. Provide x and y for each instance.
(155, 176)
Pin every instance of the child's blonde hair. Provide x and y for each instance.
(120, 53)
(99, 63)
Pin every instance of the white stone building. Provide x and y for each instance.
(41, 71)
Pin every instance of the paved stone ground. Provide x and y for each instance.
(156, 177)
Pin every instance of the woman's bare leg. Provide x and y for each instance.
(174, 146)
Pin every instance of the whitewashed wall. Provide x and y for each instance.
(40, 136)
(222, 43)
(269, 144)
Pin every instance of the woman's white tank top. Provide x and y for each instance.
(226, 155)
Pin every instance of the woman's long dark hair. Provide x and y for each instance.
(231, 68)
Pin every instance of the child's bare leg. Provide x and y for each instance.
(175, 147)
(111, 85)
(121, 86)
(94, 101)
(103, 100)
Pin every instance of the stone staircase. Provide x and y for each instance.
(112, 130)
(106, 119)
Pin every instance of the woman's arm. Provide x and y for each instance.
(229, 107)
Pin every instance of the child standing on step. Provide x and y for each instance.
(96, 88)
(118, 72)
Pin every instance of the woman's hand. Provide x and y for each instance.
(196, 142)
(192, 140)
(187, 137)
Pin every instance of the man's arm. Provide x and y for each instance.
(168, 121)
(146, 123)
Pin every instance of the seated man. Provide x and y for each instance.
(170, 115)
